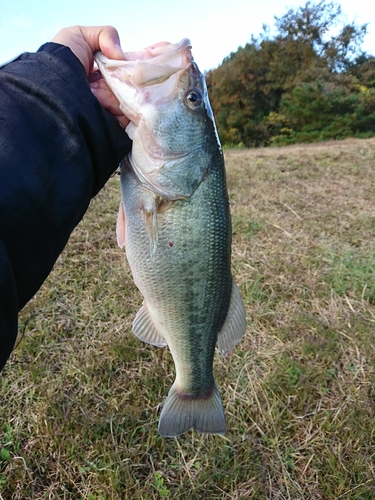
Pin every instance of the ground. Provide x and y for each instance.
(81, 396)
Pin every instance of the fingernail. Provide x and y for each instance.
(118, 47)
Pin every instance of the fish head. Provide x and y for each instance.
(163, 93)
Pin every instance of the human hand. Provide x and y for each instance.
(84, 41)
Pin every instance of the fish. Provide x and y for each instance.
(175, 224)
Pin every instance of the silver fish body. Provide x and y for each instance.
(175, 223)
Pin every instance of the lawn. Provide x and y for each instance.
(81, 396)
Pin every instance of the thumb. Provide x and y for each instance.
(84, 41)
(109, 43)
(104, 38)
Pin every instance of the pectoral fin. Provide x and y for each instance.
(120, 227)
(144, 328)
(235, 325)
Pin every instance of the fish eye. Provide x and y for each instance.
(194, 98)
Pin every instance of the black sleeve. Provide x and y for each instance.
(58, 147)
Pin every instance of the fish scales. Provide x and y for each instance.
(174, 222)
(191, 305)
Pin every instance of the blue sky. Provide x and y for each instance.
(215, 27)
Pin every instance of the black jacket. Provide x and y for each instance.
(58, 147)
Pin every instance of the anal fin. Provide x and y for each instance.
(235, 325)
(144, 328)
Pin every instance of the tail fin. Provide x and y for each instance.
(181, 413)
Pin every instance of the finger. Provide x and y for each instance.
(124, 122)
(108, 101)
(109, 43)
(94, 76)
(104, 38)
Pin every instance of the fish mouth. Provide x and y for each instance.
(171, 57)
(146, 68)
(136, 80)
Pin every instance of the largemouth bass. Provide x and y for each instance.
(174, 222)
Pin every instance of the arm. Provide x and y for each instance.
(58, 147)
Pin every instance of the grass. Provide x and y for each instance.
(81, 396)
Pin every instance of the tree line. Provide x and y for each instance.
(306, 80)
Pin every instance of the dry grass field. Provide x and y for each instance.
(81, 396)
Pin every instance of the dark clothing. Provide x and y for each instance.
(58, 147)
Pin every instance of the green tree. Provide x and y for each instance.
(363, 69)
(295, 84)
(242, 95)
